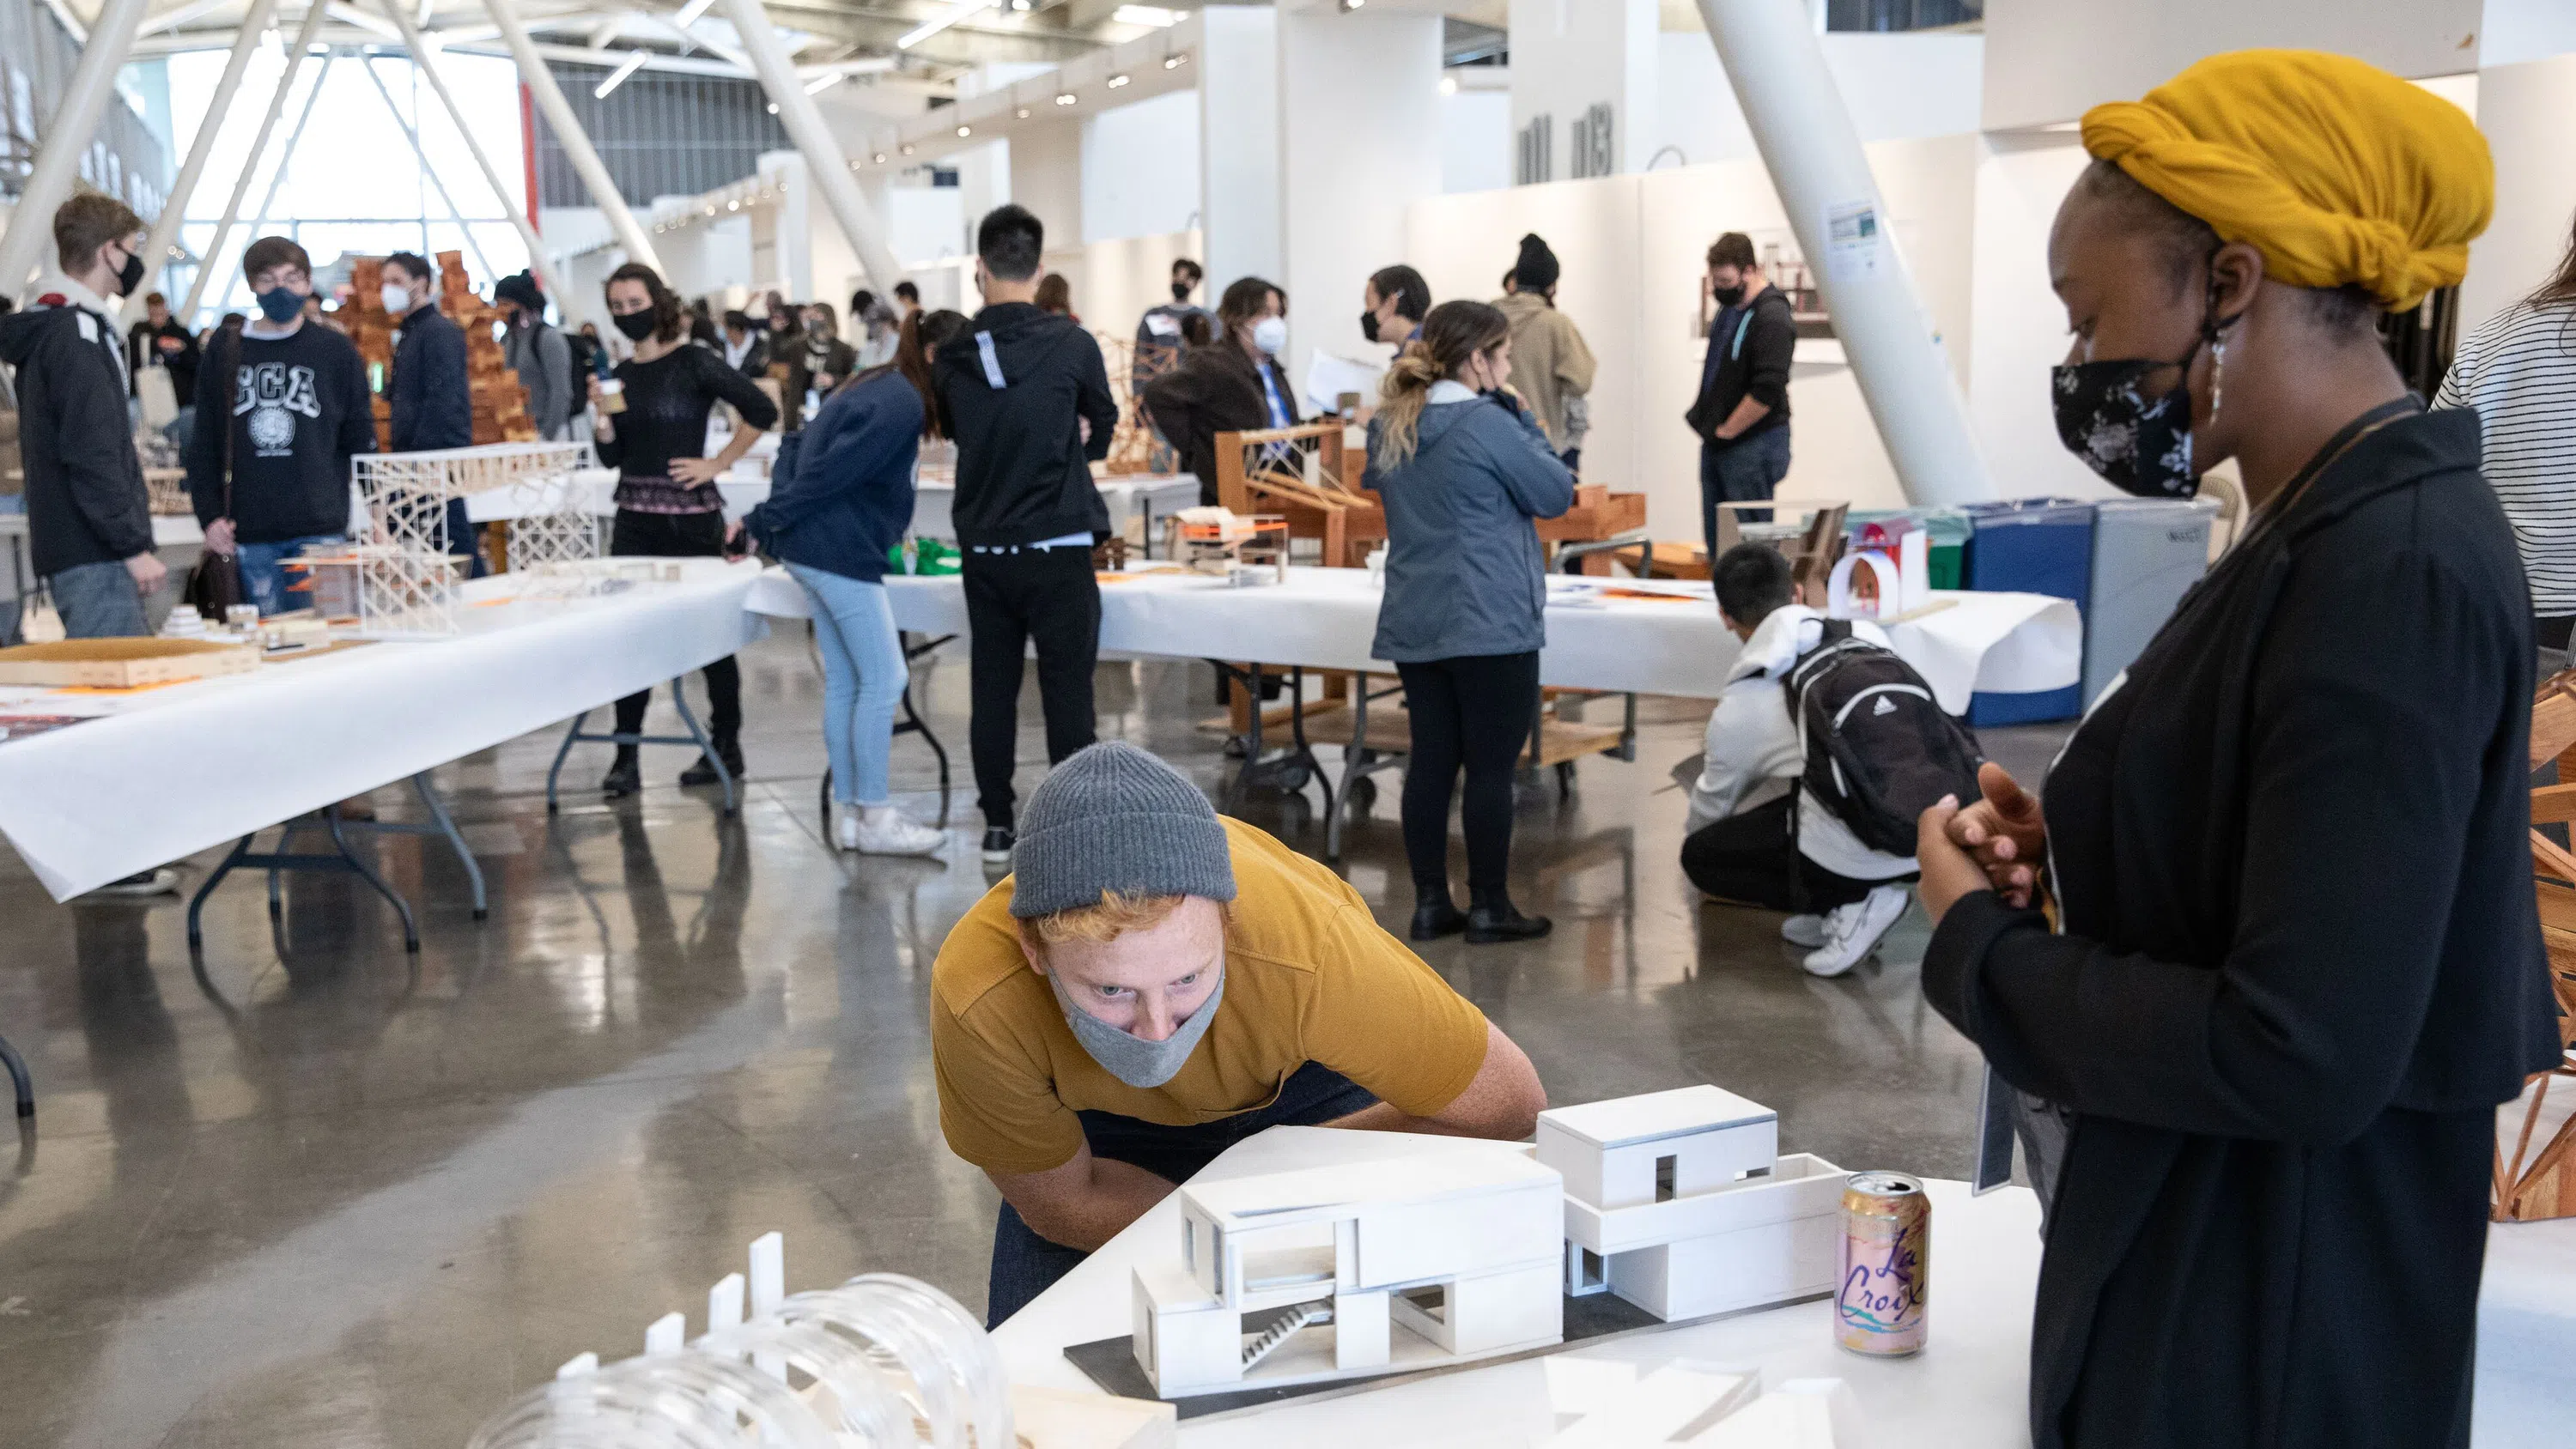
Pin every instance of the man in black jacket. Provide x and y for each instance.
(1026, 396)
(89, 519)
(432, 405)
(159, 341)
(1742, 412)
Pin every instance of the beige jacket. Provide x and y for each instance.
(1550, 363)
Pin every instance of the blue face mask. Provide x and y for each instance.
(278, 304)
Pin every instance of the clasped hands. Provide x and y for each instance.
(1994, 843)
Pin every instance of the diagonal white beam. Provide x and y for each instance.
(165, 227)
(277, 178)
(824, 160)
(568, 133)
(425, 56)
(431, 172)
(31, 224)
(250, 165)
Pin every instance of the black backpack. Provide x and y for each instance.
(1879, 748)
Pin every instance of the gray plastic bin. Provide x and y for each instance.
(2147, 553)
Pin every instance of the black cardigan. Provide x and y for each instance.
(1214, 390)
(2319, 973)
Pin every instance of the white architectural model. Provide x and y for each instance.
(1681, 1203)
(1328, 1273)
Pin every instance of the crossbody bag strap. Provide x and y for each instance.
(232, 405)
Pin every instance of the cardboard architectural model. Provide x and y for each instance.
(1326, 1273)
(1681, 1203)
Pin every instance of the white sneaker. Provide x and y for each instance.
(891, 832)
(845, 825)
(1853, 931)
(1803, 932)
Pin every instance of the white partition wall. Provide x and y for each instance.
(2528, 112)
(1239, 142)
(2019, 327)
(1568, 58)
(1359, 101)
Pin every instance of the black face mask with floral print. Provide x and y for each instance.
(2140, 444)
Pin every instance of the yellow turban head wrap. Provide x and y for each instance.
(2339, 173)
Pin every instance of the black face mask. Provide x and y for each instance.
(1729, 296)
(129, 276)
(636, 325)
(1368, 325)
(2139, 444)
(1181, 291)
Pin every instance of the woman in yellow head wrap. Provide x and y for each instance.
(2293, 965)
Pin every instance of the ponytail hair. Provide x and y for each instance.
(1453, 333)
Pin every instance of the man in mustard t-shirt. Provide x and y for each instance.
(1153, 984)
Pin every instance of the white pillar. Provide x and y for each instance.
(1359, 107)
(165, 227)
(1772, 55)
(425, 56)
(1569, 58)
(187, 312)
(576, 142)
(827, 165)
(28, 242)
(277, 178)
(1239, 155)
(426, 169)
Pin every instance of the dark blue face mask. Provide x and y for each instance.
(278, 304)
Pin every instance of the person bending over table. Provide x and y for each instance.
(667, 503)
(1462, 468)
(1153, 984)
(2292, 965)
(832, 520)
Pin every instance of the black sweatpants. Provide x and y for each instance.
(1044, 594)
(1748, 858)
(680, 535)
(1475, 712)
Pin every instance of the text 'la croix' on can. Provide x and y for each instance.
(1881, 1302)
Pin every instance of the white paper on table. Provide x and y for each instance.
(1586, 1385)
(1329, 375)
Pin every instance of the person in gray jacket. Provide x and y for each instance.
(1462, 468)
(538, 353)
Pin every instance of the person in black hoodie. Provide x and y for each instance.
(1234, 386)
(2264, 960)
(1742, 411)
(282, 406)
(89, 518)
(432, 404)
(1026, 396)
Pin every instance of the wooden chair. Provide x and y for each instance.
(2535, 1185)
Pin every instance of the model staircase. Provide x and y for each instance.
(1285, 1326)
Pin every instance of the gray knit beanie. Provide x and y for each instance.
(1114, 818)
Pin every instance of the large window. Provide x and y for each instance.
(351, 184)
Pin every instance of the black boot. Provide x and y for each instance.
(1494, 918)
(624, 777)
(1435, 915)
(704, 771)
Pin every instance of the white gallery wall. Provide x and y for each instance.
(1475, 140)
(1895, 86)
(1140, 169)
(1239, 150)
(2528, 112)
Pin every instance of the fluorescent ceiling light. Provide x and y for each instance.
(1153, 15)
(634, 62)
(928, 28)
(822, 83)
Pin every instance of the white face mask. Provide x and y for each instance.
(397, 299)
(1270, 334)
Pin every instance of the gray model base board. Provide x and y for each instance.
(1594, 1317)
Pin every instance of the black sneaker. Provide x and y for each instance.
(998, 840)
(704, 771)
(623, 778)
(1435, 919)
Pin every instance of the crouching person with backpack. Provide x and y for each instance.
(1816, 755)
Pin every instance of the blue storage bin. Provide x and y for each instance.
(2031, 546)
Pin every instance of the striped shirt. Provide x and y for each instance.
(2518, 369)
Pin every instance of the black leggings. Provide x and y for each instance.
(680, 535)
(1747, 859)
(1477, 712)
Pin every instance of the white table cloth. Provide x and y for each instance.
(594, 490)
(1156, 497)
(162, 773)
(1327, 619)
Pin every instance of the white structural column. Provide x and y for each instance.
(165, 227)
(825, 163)
(425, 56)
(31, 225)
(276, 178)
(250, 163)
(1568, 59)
(1238, 65)
(576, 142)
(1805, 134)
(413, 136)
(1349, 85)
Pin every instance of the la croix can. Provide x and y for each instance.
(1882, 1297)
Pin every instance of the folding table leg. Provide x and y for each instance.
(214, 878)
(1353, 755)
(455, 838)
(556, 769)
(680, 702)
(18, 1079)
(340, 838)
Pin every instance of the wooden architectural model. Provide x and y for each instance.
(2535, 1160)
(1325, 1273)
(1681, 1203)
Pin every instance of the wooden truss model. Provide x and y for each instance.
(1306, 475)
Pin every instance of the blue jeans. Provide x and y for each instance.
(1026, 1265)
(863, 678)
(263, 581)
(98, 601)
(1743, 471)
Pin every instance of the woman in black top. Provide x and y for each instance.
(667, 503)
(2293, 964)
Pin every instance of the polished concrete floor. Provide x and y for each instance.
(311, 1191)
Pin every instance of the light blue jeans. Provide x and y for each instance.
(863, 677)
(263, 581)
